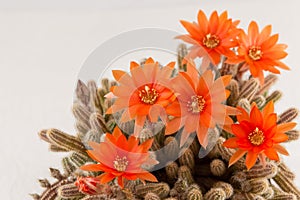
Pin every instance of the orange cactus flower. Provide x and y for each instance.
(258, 135)
(120, 158)
(143, 95)
(260, 51)
(211, 38)
(91, 186)
(199, 104)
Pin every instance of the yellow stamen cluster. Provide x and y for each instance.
(255, 53)
(257, 137)
(211, 41)
(120, 164)
(196, 105)
(148, 96)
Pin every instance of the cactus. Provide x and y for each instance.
(69, 191)
(185, 173)
(194, 194)
(161, 189)
(288, 116)
(215, 194)
(227, 188)
(217, 167)
(187, 159)
(151, 196)
(249, 89)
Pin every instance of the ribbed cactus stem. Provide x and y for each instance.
(285, 170)
(249, 89)
(69, 191)
(82, 93)
(228, 69)
(181, 53)
(259, 100)
(260, 171)
(187, 158)
(68, 166)
(98, 123)
(171, 148)
(286, 184)
(215, 194)
(270, 80)
(228, 189)
(43, 135)
(79, 159)
(151, 196)
(172, 172)
(55, 148)
(218, 167)
(35, 196)
(98, 197)
(246, 196)
(96, 99)
(268, 194)
(64, 140)
(274, 96)
(55, 173)
(44, 183)
(81, 113)
(234, 89)
(255, 186)
(220, 150)
(293, 135)
(51, 193)
(161, 189)
(185, 173)
(194, 194)
(245, 104)
(288, 116)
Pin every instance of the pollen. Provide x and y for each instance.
(257, 137)
(196, 105)
(255, 53)
(120, 164)
(211, 41)
(148, 95)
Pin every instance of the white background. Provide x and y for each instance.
(44, 43)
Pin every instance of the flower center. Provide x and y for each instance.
(255, 53)
(196, 105)
(148, 96)
(257, 137)
(211, 41)
(120, 164)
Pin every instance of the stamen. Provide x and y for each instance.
(120, 164)
(211, 41)
(148, 96)
(255, 53)
(257, 137)
(196, 105)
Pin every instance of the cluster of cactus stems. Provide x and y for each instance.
(186, 178)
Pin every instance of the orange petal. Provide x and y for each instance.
(286, 126)
(281, 149)
(269, 108)
(231, 143)
(236, 156)
(147, 176)
(106, 177)
(149, 60)
(271, 154)
(251, 159)
(174, 125)
(133, 65)
(256, 116)
(280, 137)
